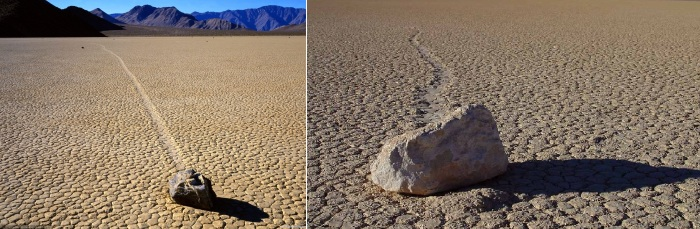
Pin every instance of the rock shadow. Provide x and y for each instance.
(553, 177)
(239, 209)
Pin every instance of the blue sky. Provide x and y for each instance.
(186, 6)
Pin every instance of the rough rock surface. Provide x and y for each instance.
(462, 149)
(192, 189)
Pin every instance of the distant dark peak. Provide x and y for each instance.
(141, 8)
(101, 14)
(171, 9)
(97, 11)
(94, 21)
(142, 11)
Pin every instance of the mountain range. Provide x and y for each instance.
(38, 18)
(171, 17)
(265, 18)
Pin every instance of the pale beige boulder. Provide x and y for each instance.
(462, 149)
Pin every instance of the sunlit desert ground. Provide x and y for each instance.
(596, 103)
(78, 146)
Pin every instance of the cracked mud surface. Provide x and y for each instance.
(596, 103)
(79, 148)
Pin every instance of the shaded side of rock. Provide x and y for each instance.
(463, 148)
(192, 189)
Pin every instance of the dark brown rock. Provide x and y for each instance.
(192, 189)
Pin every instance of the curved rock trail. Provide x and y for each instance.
(431, 105)
(163, 133)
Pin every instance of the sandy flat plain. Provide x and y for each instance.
(596, 103)
(78, 147)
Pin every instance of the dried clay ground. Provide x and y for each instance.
(596, 103)
(86, 140)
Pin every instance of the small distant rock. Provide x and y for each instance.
(192, 189)
(462, 149)
(82, 47)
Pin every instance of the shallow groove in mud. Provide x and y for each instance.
(430, 103)
(163, 133)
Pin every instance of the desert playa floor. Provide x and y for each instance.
(78, 146)
(596, 103)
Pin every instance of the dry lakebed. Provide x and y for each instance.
(596, 102)
(91, 129)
